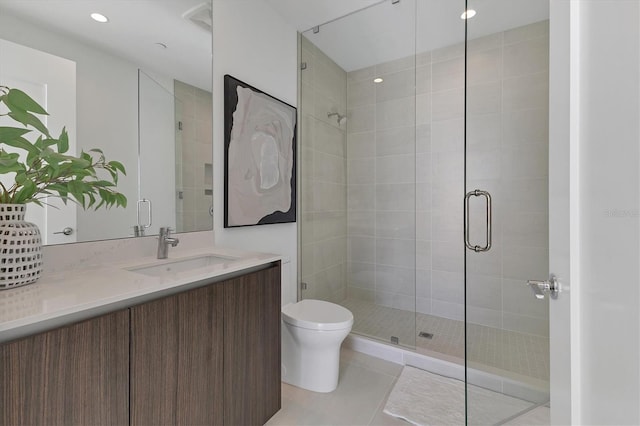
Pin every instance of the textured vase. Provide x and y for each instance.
(20, 248)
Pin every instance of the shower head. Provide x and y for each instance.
(339, 118)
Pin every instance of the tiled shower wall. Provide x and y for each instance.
(405, 162)
(323, 179)
(382, 184)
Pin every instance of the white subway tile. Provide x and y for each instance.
(400, 196)
(527, 57)
(394, 252)
(362, 249)
(398, 85)
(395, 169)
(400, 225)
(447, 74)
(400, 140)
(361, 171)
(360, 145)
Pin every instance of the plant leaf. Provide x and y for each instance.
(10, 133)
(48, 142)
(9, 163)
(121, 200)
(21, 177)
(22, 143)
(29, 120)
(118, 166)
(48, 170)
(63, 141)
(27, 192)
(19, 99)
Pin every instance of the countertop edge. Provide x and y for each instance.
(148, 288)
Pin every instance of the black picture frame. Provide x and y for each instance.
(262, 122)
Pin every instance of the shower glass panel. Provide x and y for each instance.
(360, 176)
(506, 159)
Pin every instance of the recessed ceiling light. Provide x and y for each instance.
(378, 80)
(99, 17)
(468, 14)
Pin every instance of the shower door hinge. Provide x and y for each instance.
(303, 66)
(303, 286)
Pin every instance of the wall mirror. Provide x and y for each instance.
(138, 87)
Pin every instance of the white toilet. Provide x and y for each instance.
(312, 333)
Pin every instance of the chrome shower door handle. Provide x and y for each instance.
(148, 224)
(540, 288)
(467, 197)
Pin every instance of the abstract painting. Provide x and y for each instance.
(260, 157)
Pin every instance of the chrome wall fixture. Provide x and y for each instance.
(477, 193)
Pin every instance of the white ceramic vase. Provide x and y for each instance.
(20, 248)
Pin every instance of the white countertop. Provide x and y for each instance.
(69, 296)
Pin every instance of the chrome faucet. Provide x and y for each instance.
(164, 240)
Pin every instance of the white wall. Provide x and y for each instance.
(609, 196)
(254, 44)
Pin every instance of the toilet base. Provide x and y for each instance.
(311, 361)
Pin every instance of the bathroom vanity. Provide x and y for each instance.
(162, 346)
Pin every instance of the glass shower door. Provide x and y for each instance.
(506, 210)
(358, 168)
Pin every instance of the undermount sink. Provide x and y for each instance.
(180, 265)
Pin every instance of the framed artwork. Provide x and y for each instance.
(260, 157)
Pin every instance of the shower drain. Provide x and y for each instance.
(426, 335)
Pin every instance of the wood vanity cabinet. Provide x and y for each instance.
(207, 356)
(252, 348)
(176, 359)
(74, 375)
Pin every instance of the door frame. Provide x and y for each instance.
(564, 337)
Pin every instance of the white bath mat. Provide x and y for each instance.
(424, 398)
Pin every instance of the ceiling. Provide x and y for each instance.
(305, 14)
(379, 32)
(134, 28)
(384, 31)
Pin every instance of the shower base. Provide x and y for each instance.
(517, 357)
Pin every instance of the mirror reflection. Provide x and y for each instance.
(138, 87)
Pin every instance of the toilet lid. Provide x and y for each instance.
(317, 315)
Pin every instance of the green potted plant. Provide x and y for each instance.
(39, 167)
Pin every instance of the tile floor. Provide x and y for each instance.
(489, 349)
(365, 384)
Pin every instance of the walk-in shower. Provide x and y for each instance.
(436, 107)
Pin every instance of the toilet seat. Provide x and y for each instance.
(317, 315)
